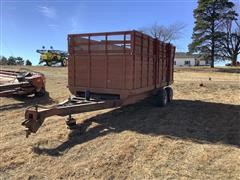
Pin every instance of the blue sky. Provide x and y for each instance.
(28, 25)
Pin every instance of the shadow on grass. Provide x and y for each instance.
(229, 70)
(26, 101)
(202, 122)
(208, 69)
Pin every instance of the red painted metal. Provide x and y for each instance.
(125, 63)
(128, 65)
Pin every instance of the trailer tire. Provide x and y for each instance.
(169, 91)
(162, 98)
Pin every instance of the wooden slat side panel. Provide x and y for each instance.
(98, 71)
(161, 64)
(172, 63)
(165, 65)
(151, 74)
(161, 58)
(115, 72)
(144, 74)
(118, 63)
(82, 70)
(137, 74)
(128, 73)
(144, 77)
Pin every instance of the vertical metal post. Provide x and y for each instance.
(124, 66)
(148, 62)
(106, 63)
(90, 61)
(133, 34)
(141, 83)
(163, 59)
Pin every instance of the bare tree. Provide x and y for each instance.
(165, 33)
(231, 41)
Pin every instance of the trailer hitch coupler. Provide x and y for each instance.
(32, 121)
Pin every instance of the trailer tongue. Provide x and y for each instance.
(34, 117)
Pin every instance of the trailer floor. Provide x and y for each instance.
(196, 137)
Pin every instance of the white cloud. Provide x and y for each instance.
(48, 12)
(53, 27)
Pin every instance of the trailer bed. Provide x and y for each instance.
(122, 64)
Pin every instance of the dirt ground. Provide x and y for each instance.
(195, 137)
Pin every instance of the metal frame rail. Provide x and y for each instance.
(9, 89)
(34, 117)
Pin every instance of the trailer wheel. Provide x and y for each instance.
(169, 91)
(162, 98)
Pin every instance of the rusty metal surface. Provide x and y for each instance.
(125, 63)
(5, 87)
(34, 117)
(20, 83)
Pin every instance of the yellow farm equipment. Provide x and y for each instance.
(50, 56)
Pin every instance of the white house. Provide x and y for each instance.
(183, 59)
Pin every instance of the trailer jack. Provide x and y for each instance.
(71, 122)
(35, 116)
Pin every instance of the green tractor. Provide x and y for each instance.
(50, 57)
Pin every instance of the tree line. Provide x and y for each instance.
(11, 60)
(216, 32)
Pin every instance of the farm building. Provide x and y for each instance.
(185, 59)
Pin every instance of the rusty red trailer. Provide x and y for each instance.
(126, 64)
(108, 70)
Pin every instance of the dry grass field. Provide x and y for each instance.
(195, 137)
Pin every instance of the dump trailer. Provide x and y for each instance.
(111, 69)
(22, 82)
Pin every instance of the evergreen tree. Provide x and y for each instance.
(28, 63)
(11, 61)
(207, 34)
(19, 61)
(3, 60)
